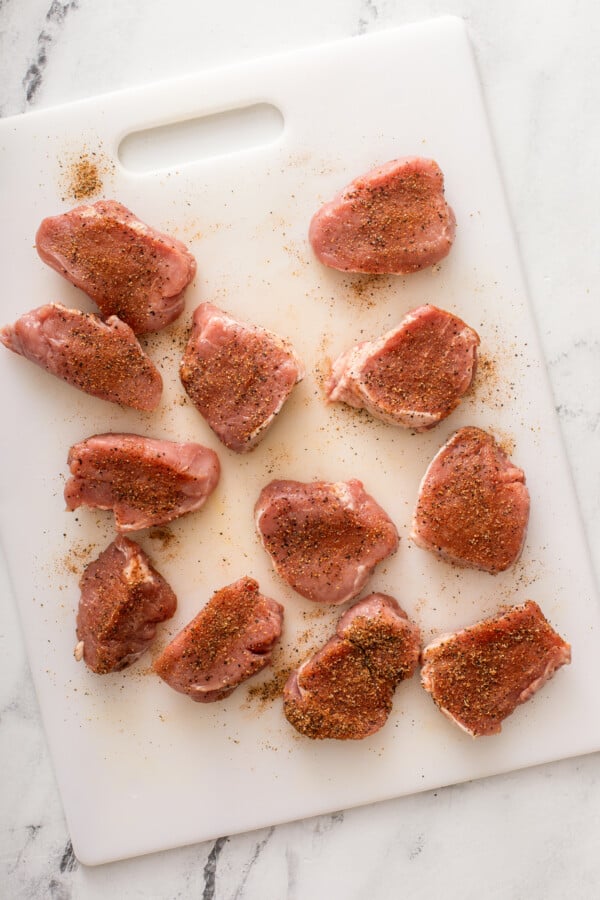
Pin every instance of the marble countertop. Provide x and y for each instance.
(531, 834)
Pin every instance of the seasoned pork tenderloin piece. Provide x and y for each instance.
(473, 506)
(345, 690)
(144, 481)
(123, 599)
(129, 269)
(238, 376)
(324, 538)
(230, 640)
(392, 220)
(414, 375)
(103, 359)
(478, 676)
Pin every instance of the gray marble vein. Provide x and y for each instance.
(68, 862)
(258, 849)
(54, 21)
(210, 869)
(368, 15)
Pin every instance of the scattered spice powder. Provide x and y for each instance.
(287, 657)
(85, 180)
(271, 689)
(164, 535)
(505, 441)
(488, 386)
(83, 173)
(74, 561)
(366, 288)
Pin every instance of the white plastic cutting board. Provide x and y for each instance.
(140, 767)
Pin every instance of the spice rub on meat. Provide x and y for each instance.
(123, 599)
(229, 640)
(238, 376)
(479, 676)
(103, 359)
(414, 375)
(324, 538)
(473, 505)
(345, 690)
(144, 481)
(129, 269)
(392, 220)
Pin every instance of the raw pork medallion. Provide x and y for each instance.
(123, 599)
(392, 220)
(103, 359)
(473, 505)
(229, 640)
(414, 375)
(144, 481)
(129, 269)
(237, 376)
(478, 676)
(345, 690)
(324, 538)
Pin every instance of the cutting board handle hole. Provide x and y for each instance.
(219, 134)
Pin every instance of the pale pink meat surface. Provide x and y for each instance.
(143, 480)
(230, 640)
(478, 676)
(414, 375)
(473, 505)
(324, 538)
(103, 359)
(394, 219)
(129, 269)
(238, 376)
(123, 599)
(345, 690)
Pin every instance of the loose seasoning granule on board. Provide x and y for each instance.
(84, 178)
(287, 658)
(169, 343)
(505, 441)
(322, 373)
(271, 689)
(319, 612)
(74, 561)
(488, 385)
(487, 368)
(365, 288)
(164, 535)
